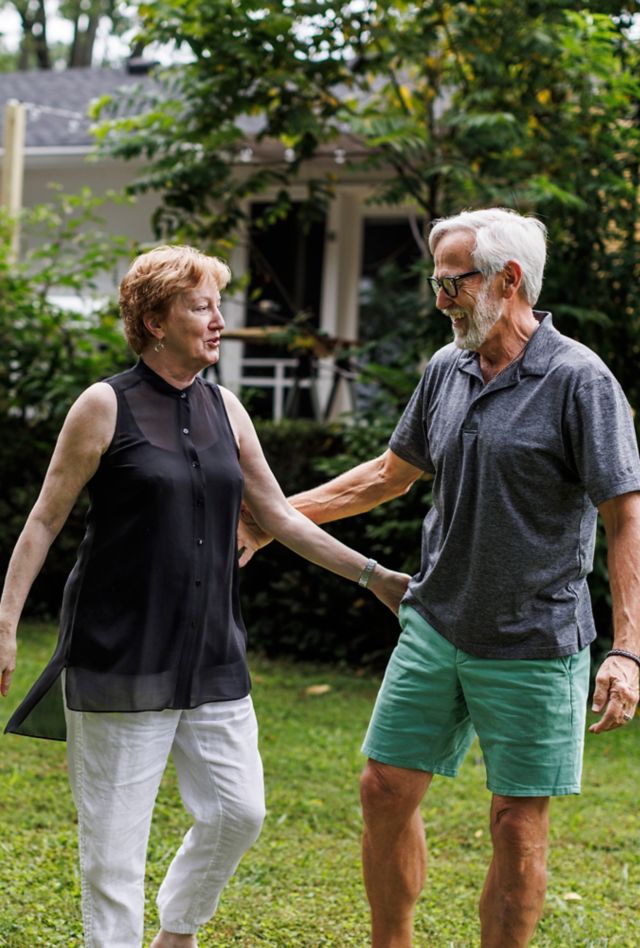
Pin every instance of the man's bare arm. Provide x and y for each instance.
(616, 691)
(360, 489)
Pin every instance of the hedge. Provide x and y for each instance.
(290, 607)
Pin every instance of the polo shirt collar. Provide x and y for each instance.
(541, 346)
(537, 356)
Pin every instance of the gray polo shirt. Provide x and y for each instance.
(520, 465)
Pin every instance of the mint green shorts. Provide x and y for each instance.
(529, 714)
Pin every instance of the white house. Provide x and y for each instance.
(322, 272)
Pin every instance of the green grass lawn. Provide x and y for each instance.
(300, 886)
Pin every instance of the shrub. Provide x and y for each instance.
(290, 606)
(293, 607)
(50, 355)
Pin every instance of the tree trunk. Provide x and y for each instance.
(34, 36)
(81, 52)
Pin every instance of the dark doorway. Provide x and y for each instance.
(285, 283)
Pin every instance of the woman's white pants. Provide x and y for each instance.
(116, 762)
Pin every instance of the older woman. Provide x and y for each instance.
(151, 658)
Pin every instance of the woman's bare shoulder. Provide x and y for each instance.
(231, 401)
(93, 415)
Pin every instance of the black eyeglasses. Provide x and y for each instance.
(450, 284)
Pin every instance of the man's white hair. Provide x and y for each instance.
(501, 235)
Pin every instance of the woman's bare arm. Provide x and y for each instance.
(276, 516)
(85, 436)
(360, 489)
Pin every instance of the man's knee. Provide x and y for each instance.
(391, 791)
(519, 830)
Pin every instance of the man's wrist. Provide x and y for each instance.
(624, 653)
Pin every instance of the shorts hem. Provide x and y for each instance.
(535, 791)
(407, 764)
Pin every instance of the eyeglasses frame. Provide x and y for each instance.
(437, 284)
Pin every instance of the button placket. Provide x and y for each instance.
(472, 417)
(197, 493)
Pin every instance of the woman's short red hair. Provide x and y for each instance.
(156, 278)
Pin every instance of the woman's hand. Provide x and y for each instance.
(389, 587)
(251, 537)
(7, 656)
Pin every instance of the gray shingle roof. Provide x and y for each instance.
(58, 101)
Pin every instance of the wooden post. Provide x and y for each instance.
(13, 168)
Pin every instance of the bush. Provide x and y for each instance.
(22, 469)
(293, 607)
(290, 606)
(50, 355)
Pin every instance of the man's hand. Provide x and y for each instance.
(251, 537)
(616, 693)
(389, 587)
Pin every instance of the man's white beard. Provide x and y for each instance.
(485, 315)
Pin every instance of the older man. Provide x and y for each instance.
(527, 434)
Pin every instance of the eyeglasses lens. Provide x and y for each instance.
(448, 284)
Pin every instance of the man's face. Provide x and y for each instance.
(475, 310)
(473, 323)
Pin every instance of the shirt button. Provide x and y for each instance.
(185, 431)
(183, 394)
(198, 582)
(195, 464)
(199, 541)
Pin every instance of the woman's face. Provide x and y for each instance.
(193, 325)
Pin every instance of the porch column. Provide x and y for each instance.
(342, 264)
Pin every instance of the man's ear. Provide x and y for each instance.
(512, 279)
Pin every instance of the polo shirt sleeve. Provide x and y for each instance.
(409, 440)
(602, 439)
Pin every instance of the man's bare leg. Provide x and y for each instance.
(394, 851)
(172, 940)
(514, 890)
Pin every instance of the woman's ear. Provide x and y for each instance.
(153, 326)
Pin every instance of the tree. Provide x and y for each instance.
(532, 104)
(429, 90)
(272, 63)
(37, 51)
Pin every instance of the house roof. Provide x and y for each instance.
(57, 101)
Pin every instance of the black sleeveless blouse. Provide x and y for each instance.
(150, 614)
